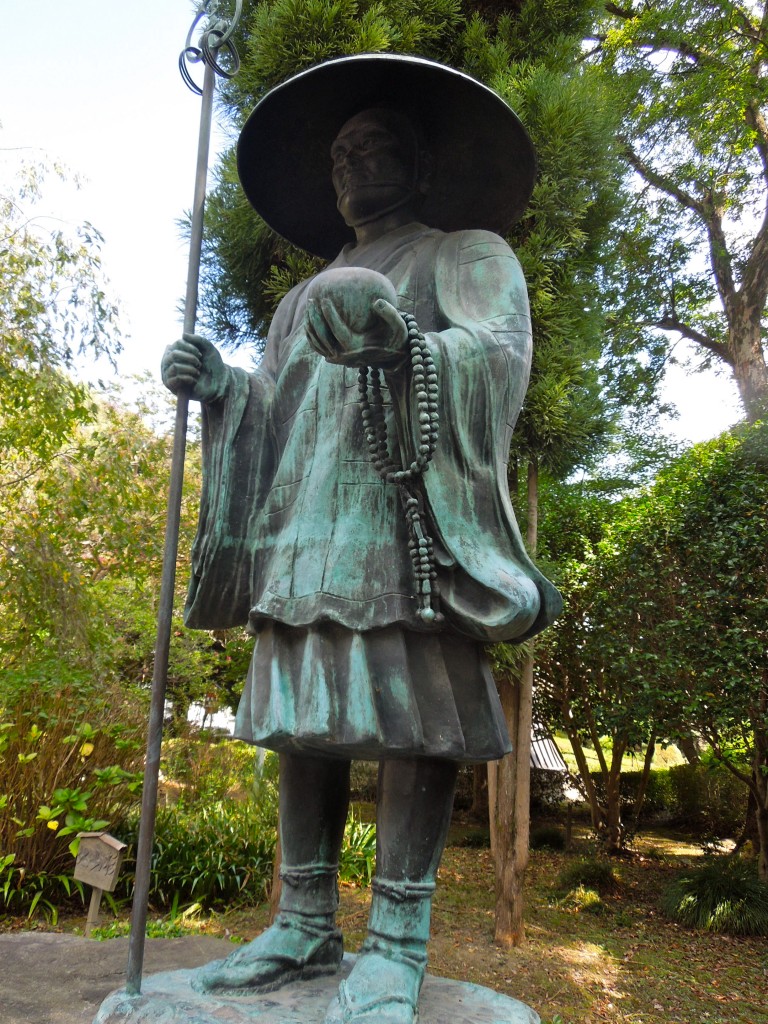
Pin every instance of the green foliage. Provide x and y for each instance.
(708, 800)
(70, 754)
(358, 852)
(37, 892)
(53, 306)
(689, 80)
(596, 875)
(80, 555)
(585, 900)
(211, 854)
(722, 896)
(474, 839)
(665, 627)
(209, 771)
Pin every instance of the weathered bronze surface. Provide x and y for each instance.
(355, 511)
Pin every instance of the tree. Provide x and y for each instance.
(692, 80)
(665, 630)
(53, 306)
(579, 687)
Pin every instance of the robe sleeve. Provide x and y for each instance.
(238, 466)
(490, 589)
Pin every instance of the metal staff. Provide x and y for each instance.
(216, 35)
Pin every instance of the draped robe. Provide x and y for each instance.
(301, 539)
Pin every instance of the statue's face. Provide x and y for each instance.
(374, 165)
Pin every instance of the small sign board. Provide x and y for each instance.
(99, 858)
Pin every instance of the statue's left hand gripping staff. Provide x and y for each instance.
(214, 41)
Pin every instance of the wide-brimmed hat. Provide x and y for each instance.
(484, 164)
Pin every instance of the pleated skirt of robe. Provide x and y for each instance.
(386, 693)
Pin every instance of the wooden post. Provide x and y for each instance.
(93, 911)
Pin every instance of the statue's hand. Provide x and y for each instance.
(352, 318)
(194, 367)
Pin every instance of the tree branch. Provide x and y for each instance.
(708, 212)
(625, 13)
(669, 322)
(662, 182)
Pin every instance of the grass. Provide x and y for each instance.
(664, 757)
(626, 964)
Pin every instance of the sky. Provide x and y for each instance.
(95, 84)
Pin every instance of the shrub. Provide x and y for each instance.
(474, 839)
(590, 874)
(223, 852)
(358, 852)
(585, 900)
(363, 781)
(722, 896)
(547, 837)
(208, 771)
(27, 893)
(548, 788)
(708, 800)
(70, 752)
(213, 854)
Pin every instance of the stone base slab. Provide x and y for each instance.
(168, 998)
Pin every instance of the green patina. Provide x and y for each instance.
(371, 592)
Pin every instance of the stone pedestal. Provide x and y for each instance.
(169, 998)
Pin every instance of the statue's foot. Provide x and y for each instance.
(382, 988)
(292, 949)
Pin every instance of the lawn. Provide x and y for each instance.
(664, 756)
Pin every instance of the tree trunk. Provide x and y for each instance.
(762, 832)
(759, 717)
(749, 832)
(688, 747)
(511, 810)
(510, 826)
(749, 369)
(650, 750)
(596, 812)
(493, 799)
(760, 790)
(614, 827)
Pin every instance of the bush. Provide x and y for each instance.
(70, 753)
(548, 788)
(547, 837)
(722, 896)
(208, 771)
(597, 875)
(213, 854)
(358, 852)
(474, 839)
(708, 800)
(32, 893)
(363, 781)
(219, 853)
(587, 901)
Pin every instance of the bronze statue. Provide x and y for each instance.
(355, 512)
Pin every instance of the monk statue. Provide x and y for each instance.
(355, 511)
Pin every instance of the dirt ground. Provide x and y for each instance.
(619, 961)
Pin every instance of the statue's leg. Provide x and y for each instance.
(414, 812)
(303, 941)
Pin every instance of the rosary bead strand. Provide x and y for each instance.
(424, 389)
